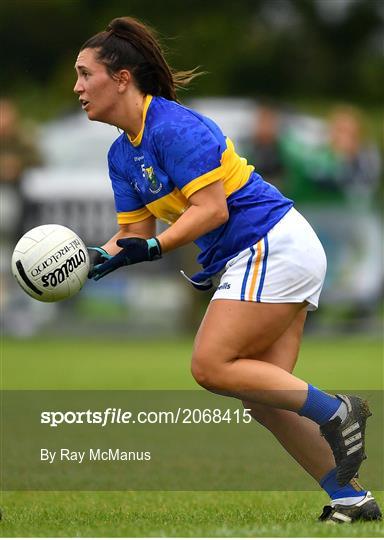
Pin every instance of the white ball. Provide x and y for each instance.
(50, 263)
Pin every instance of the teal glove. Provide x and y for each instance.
(97, 256)
(134, 250)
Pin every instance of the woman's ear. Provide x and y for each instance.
(124, 77)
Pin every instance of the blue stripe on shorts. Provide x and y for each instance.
(263, 271)
(246, 275)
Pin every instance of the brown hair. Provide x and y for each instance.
(129, 44)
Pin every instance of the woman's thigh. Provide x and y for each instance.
(285, 350)
(232, 329)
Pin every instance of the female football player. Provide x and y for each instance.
(172, 163)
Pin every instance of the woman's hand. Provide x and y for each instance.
(134, 250)
(97, 256)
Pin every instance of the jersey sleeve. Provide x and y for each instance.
(129, 207)
(190, 153)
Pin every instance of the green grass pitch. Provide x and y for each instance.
(351, 363)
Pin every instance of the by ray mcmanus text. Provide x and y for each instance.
(93, 454)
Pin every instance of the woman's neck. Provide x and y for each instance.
(131, 113)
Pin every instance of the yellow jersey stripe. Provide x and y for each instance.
(124, 218)
(236, 171)
(170, 207)
(233, 171)
(255, 271)
(137, 140)
(202, 181)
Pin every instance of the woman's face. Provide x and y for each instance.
(97, 90)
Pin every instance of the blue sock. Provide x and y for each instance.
(319, 406)
(335, 491)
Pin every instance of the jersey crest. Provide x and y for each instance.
(155, 186)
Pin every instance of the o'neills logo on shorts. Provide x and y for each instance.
(224, 286)
(52, 259)
(58, 275)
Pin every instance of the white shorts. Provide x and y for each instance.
(287, 265)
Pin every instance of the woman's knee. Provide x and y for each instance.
(205, 371)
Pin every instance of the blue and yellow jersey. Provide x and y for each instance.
(177, 152)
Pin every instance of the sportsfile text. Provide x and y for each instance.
(108, 416)
(113, 415)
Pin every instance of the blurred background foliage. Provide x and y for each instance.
(297, 50)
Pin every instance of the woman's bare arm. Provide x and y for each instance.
(208, 210)
(142, 229)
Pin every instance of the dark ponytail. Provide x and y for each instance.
(129, 44)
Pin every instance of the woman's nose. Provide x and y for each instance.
(77, 88)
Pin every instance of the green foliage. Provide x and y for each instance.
(287, 49)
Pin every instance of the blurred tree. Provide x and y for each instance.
(280, 48)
